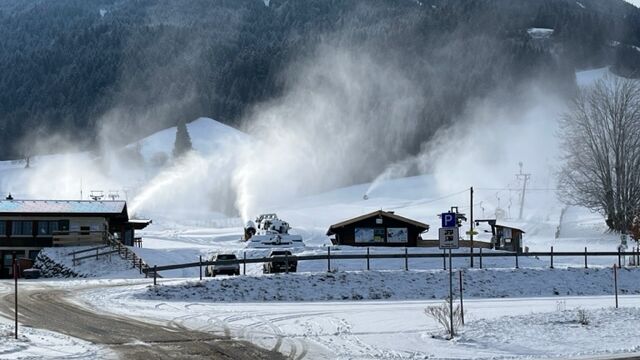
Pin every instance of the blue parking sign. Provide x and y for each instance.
(448, 220)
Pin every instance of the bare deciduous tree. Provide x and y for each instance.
(601, 142)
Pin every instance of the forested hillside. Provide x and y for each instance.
(78, 67)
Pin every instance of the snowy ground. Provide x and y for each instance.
(506, 328)
(42, 344)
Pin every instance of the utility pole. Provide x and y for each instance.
(525, 178)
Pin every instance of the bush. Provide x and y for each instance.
(583, 317)
(440, 314)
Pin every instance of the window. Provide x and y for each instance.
(63, 225)
(3, 228)
(22, 227)
(43, 228)
(53, 226)
(84, 230)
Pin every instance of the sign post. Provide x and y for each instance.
(15, 277)
(449, 237)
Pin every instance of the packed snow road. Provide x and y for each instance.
(50, 308)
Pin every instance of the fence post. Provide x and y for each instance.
(480, 257)
(552, 257)
(517, 265)
(96, 254)
(286, 263)
(406, 259)
(139, 264)
(367, 258)
(585, 258)
(615, 283)
(200, 267)
(444, 259)
(155, 274)
(244, 263)
(619, 259)
(328, 259)
(461, 300)
(133, 260)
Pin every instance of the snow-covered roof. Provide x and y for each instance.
(62, 206)
(540, 33)
(381, 213)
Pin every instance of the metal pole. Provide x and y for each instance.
(552, 257)
(328, 259)
(480, 258)
(15, 277)
(615, 283)
(406, 260)
(200, 267)
(461, 300)
(471, 223)
(451, 296)
(517, 266)
(367, 258)
(244, 263)
(155, 274)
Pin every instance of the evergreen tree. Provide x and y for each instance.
(182, 144)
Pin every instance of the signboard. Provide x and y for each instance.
(363, 235)
(397, 235)
(448, 220)
(449, 238)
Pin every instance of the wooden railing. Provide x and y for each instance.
(79, 238)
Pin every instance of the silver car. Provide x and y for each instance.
(229, 269)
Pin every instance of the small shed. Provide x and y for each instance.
(379, 228)
(504, 237)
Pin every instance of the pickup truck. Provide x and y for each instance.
(280, 265)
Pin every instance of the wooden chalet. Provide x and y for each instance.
(504, 237)
(379, 228)
(27, 226)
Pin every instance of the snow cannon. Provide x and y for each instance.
(249, 230)
(271, 231)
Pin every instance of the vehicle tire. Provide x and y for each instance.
(237, 273)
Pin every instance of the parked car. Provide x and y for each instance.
(32, 273)
(285, 258)
(230, 269)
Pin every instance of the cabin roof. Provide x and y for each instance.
(381, 213)
(62, 207)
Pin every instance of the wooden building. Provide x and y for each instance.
(504, 237)
(27, 226)
(379, 228)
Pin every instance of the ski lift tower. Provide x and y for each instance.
(525, 178)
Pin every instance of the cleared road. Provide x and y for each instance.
(130, 339)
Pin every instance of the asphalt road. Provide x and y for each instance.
(130, 339)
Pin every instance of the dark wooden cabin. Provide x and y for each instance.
(379, 228)
(27, 226)
(504, 237)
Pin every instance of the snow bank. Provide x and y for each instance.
(109, 266)
(398, 285)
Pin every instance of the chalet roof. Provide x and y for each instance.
(62, 207)
(381, 213)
